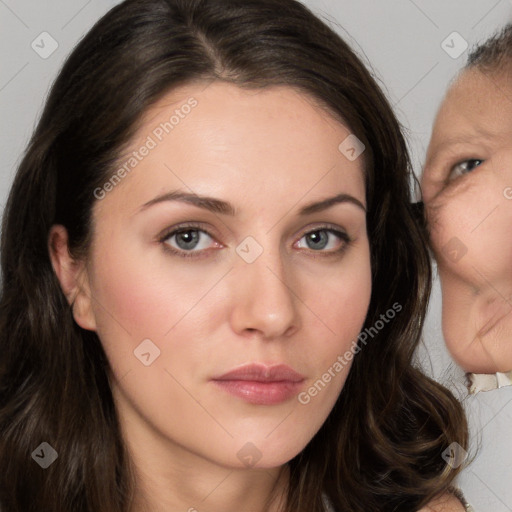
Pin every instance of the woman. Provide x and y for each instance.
(213, 280)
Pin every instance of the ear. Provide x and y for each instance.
(72, 276)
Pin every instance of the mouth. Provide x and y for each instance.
(261, 384)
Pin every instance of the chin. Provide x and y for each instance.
(480, 360)
(272, 450)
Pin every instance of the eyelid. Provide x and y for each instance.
(332, 228)
(184, 226)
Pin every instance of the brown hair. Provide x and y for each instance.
(381, 447)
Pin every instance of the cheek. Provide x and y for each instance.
(344, 299)
(472, 230)
(341, 303)
(144, 294)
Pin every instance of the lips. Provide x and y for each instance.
(263, 373)
(261, 384)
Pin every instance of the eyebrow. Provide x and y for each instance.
(223, 207)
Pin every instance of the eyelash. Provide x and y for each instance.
(197, 254)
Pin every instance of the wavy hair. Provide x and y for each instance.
(381, 447)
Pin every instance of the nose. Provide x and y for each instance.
(264, 301)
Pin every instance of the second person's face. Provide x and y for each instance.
(467, 191)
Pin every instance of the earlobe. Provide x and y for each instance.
(72, 276)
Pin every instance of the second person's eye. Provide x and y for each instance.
(464, 167)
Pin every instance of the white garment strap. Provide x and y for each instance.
(488, 381)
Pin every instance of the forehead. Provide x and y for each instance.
(274, 143)
(227, 115)
(476, 112)
(478, 102)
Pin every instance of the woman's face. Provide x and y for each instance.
(266, 269)
(467, 185)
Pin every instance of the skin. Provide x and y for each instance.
(268, 153)
(468, 207)
(445, 503)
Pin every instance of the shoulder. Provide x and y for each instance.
(447, 502)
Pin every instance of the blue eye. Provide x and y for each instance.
(465, 167)
(189, 241)
(322, 239)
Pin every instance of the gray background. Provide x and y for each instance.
(401, 40)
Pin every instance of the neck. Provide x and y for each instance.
(201, 488)
(170, 478)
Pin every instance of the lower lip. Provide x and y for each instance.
(261, 393)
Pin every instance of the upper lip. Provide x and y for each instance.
(259, 372)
